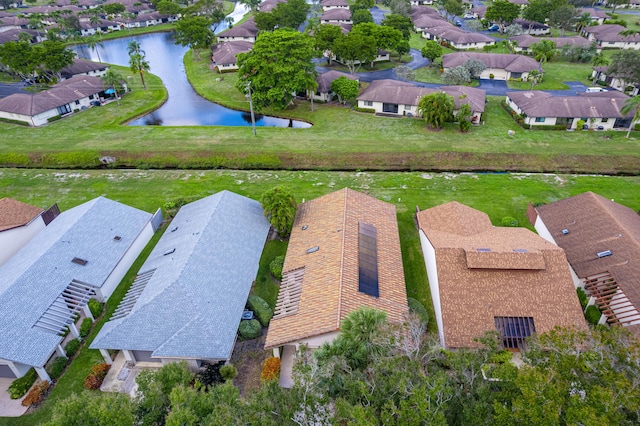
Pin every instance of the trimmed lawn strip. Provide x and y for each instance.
(265, 286)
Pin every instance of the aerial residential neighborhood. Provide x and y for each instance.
(289, 212)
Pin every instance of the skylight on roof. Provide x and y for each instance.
(483, 250)
(168, 252)
(313, 249)
(520, 250)
(117, 238)
(565, 231)
(605, 253)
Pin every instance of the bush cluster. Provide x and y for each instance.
(270, 370)
(13, 159)
(249, 329)
(10, 121)
(85, 327)
(418, 308)
(501, 357)
(95, 307)
(20, 386)
(260, 308)
(212, 374)
(35, 394)
(228, 372)
(276, 266)
(72, 346)
(582, 297)
(56, 368)
(73, 159)
(96, 376)
(592, 314)
(509, 221)
(54, 118)
(367, 110)
(517, 117)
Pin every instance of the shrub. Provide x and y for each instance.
(228, 372)
(85, 327)
(96, 376)
(592, 314)
(249, 329)
(580, 124)
(96, 308)
(582, 297)
(270, 370)
(418, 308)
(509, 221)
(367, 110)
(212, 374)
(260, 308)
(73, 159)
(501, 357)
(13, 159)
(20, 386)
(276, 267)
(491, 76)
(72, 346)
(35, 394)
(56, 368)
(20, 122)
(54, 118)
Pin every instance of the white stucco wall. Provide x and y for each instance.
(223, 39)
(432, 273)
(14, 239)
(125, 263)
(476, 45)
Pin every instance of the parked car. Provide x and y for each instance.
(469, 16)
(458, 23)
(494, 28)
(595, 89)
(95, 103)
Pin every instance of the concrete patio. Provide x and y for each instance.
(122, 375)
(10, 407)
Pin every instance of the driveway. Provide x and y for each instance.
(7, 89)
(378, 14)
(10, 407)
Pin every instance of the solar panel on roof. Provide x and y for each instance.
(367, 260)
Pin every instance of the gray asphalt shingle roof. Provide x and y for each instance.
(35, 276)
(192, 305)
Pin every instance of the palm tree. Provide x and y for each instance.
(112, 79)
(137, 61)
(543, 51)
(94, 42)
(631, 104)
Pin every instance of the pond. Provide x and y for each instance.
(184, 106)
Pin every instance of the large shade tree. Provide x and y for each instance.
(278, 67)
(543, 51)
(503, 12)
(355, 49)
(195, 32)
(280, 206)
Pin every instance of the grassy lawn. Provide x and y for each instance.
(265, 285)
(498, 195)
(555, 74)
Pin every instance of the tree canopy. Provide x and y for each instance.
(400, 23)
(137, 61)
(625, 64)
(436, 109)
(278, 67)
(345, 88)
(502, 11)
(354, 49)
(195, 32)
(280, 206)
(432, 51)
(285, 15)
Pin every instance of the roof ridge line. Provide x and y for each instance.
(344, 222)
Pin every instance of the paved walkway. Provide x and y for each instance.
(122, 375)
(9, 407)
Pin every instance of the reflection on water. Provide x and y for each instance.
(184, 106)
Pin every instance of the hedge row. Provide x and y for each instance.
(20, 386)
(35, 394)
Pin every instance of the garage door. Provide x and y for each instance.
(5, 371)
(144, 356)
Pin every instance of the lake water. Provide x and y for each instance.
(184, 106)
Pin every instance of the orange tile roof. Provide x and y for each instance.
(14, 213)
(485, 272)
(330, 282)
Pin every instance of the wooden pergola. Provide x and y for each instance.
(611, 300)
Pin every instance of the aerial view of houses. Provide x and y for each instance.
(287, 212)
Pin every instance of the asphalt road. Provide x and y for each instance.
(7, 89)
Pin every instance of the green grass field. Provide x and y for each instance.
(498, 195)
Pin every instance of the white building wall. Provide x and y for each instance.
(222, 39)
(14, 239)
(429, 253)
(125, 263)
(317, 341)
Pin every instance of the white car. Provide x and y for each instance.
(595, 89)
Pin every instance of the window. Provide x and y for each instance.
(540, 119)
(514, 331)
(516, 75)
(77, 102)
(367, 260)
(604, 120)
(368, 103)
(64, 109)
(90, 96)
(407, 107)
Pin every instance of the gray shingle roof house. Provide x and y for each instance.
(458, 38)
(484, 277)
(189, 296)
(83, 253)
(63, 98)
(397, 97)
(524, 41)
(501, 66)
(602, 241)
(608, 35)
(598, 110)
(246, 31)
(323, 92)
(84, 67)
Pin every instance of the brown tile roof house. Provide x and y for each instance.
(246, 30)
(403, 93)
(326, 78)
(14, 35)
(423, 10)
(424, 20)
(587, 105)
(14, 213)
(82, 66)
(457, 36)
(340, 244)
(224, 54)
(525, 41)
(601, 239)
(336, 15)
(334, 3)
(507, 62)
(486, 278)
(26, 105)
(610, 33)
